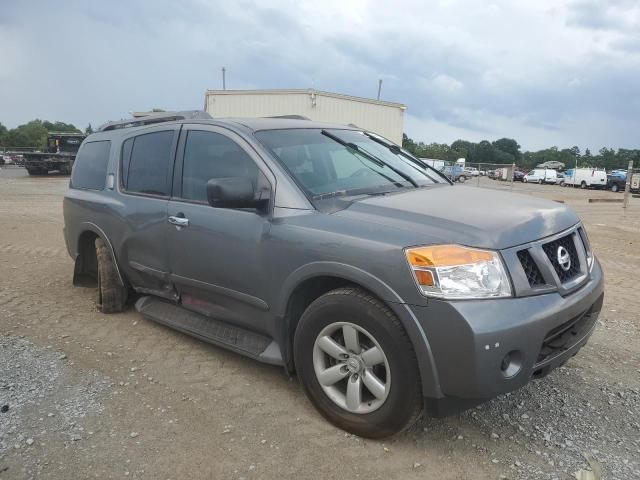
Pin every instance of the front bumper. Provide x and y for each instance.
(483, 348)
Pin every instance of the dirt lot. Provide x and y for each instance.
(118, 396)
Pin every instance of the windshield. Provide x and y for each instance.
(335, 162)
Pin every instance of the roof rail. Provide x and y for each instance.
(291, 117)
(152, 118)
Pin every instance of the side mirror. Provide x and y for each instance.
(232, 192)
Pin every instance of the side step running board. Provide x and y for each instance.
(213, 331)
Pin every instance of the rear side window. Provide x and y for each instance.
(90, 166)
(145, 163)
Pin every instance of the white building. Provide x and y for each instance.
(383, 118)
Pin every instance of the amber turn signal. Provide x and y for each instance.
(446, 256)
(425, 278)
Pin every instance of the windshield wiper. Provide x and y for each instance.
(369, 156)
(395, 149)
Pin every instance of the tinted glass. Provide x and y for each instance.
(90, 166)
(210, 155)
(146, 170)
(322, 165)
(127, 146)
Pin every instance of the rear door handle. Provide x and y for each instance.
(179, 221)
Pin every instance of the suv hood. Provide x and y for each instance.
(469, 216)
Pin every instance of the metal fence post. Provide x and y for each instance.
(627, 185)
(513, 173)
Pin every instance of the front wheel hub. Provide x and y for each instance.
(351, 367)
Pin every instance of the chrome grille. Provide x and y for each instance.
(551, 249)
(531, 270)
(536, 269)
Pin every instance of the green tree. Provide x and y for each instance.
(34, 133)
(3, 134)
(509, 146)
(408, 144)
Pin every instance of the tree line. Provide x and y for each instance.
(34, 133)
(507, 151)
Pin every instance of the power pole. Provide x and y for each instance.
(224, 78)
(379, 88)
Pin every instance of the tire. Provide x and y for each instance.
(112, 296)
(615, 187)
(36, 172)
(583, 185)
(524, 180)
(398, 403)
(462, 179)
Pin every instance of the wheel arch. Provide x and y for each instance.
(313, 280)
(85, 258)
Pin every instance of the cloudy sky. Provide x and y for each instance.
(545, 72)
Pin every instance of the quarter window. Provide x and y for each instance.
(210, 155)
(90, 166)
(145, 163)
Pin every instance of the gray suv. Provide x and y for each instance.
(334, 253)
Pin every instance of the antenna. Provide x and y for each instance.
(379, 88)
(224, 78)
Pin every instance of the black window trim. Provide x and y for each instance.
(178, 165)
(106, 171)
(172, 159)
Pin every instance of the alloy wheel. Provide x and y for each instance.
(351, 367)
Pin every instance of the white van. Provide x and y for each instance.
(585, 178)
(541, 175)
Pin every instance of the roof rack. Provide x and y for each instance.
(291, 117)
(152, 118)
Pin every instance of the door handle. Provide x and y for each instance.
(178, 221)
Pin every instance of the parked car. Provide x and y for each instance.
(455, 173)
(635, 183)
(552, 164)
(585, 178)
(518, 176)
(616, 181)
(541, 175)
(471, 171)
(331, 252)
(559, 179)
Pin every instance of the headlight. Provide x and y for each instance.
(456, 272)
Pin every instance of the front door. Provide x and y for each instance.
(216, 254)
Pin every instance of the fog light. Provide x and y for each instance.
(511, 363)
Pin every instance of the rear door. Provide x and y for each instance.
(216, 257)
(145, 170)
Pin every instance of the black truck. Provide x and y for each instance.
(60, 154)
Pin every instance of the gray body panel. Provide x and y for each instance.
(242, 267)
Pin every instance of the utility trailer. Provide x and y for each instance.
(61, 152)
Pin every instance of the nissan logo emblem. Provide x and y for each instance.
(564, 259)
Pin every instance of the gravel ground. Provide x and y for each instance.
(43, 401)
(118, 396)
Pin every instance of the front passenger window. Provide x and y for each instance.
(210, 155)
